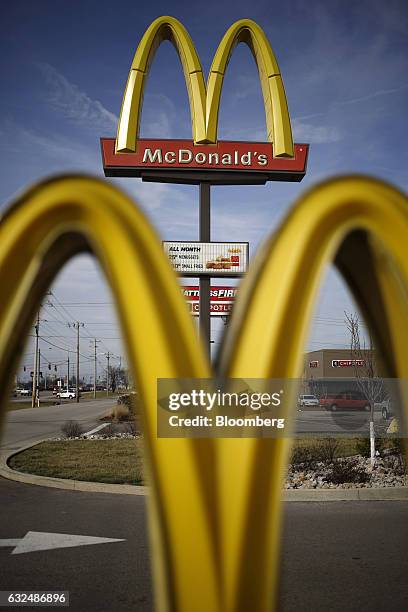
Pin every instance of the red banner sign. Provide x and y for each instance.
(222, 299)
(177, 156)
(347, 363)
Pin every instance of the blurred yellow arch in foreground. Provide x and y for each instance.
(215, 504)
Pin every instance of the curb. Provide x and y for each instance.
(288, 495)
(332, 495)
(62, 483)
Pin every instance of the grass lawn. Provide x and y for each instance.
(21, 405)
(88, 395)
(112, 461)
(346, 447)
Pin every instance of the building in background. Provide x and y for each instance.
(332, 371)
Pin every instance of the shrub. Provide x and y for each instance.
(130, 401)
(72, 429)
(109, 431)
(347, 471)
(120, 412)
(302, 455)
(398, 445)
(326, 450)
(131, 428)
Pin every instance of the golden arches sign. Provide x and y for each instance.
(215, 504)
(205, 100)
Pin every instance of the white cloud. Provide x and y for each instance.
(320, 134)
(42, 147)
(67, 99)
(372, 95)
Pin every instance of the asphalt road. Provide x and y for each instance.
(26, 426)
(345, 557)
(337, 556)
(101, 578)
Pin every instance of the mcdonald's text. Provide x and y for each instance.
(182, 155)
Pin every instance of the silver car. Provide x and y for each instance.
(308, 400)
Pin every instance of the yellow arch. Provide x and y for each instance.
(278, 126)
(163, 28)
(47, 226)
(215, 508)
(204, 107)
(361, 225)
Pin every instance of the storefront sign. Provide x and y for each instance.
(348, 363)
(255, 158)
(222, 299)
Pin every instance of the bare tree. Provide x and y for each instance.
(365, 365)
(118, 377)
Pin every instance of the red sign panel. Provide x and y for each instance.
(222, 299)
(226, 161)
(347, 363)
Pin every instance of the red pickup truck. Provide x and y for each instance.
(347, 400)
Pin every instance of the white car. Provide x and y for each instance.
(386, 408)
(66, 394)
(23, 392)
(308, 400)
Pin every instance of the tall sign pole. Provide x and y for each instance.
(205, 281)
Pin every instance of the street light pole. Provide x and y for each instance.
(38, 376)
(95, 373)
(77, 325)
(34, 390)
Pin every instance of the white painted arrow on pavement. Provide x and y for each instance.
(39, 540)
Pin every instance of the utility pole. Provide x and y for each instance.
(34, 391)
(77, 325)
(36, 388)
(38, 376)
(95, 373)
(107, 375)
(68, 374)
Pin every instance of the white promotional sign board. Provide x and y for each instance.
(212, 258)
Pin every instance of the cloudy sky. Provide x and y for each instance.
(64, 65)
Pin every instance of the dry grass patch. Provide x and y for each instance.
(111, 461)
(21, 405)
(346, 447)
